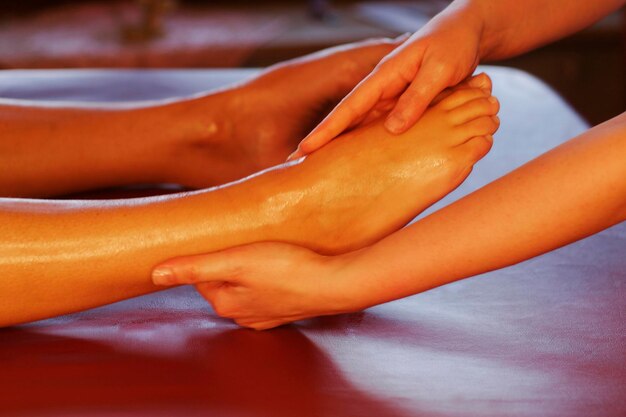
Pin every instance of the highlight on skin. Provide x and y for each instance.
(89, 254)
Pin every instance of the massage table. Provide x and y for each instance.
(543, 338)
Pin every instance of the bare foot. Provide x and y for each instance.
(368, 183)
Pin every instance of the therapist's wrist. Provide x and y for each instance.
(482, 16)
(472, 15)
(350, 285)
(371, 276)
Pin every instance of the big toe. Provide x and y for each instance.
(482, 81)
(475, 148)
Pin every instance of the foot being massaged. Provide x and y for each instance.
(323, 233)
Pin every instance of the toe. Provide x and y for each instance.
(477, 147)
(481, 81)
(462, 96)
(484, 106)
(482, 126)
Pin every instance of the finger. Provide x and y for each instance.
(354, 106)
(218, 266)
(412, 103)
(381, 108)
(357, 122)
(441, 96)
(382, 84)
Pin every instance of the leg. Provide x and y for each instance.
(58, 257)
(198, 142)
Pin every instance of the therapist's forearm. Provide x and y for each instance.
(571, 192)
(512, 27)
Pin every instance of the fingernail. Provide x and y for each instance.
(162, 276)
(293, 156)
(496, 119)
(394, 123)
(492, 99)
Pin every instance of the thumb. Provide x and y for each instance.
(218, 266)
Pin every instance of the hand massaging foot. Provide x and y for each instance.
(58, 257)
(369, 183)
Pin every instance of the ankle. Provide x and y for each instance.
(200, 140)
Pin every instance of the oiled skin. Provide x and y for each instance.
(54, 148)
(62, 256)
(571, 192)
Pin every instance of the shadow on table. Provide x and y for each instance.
(233, 372)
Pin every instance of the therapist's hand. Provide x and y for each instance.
(264, 285)
(289, 99)
(441, 54)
